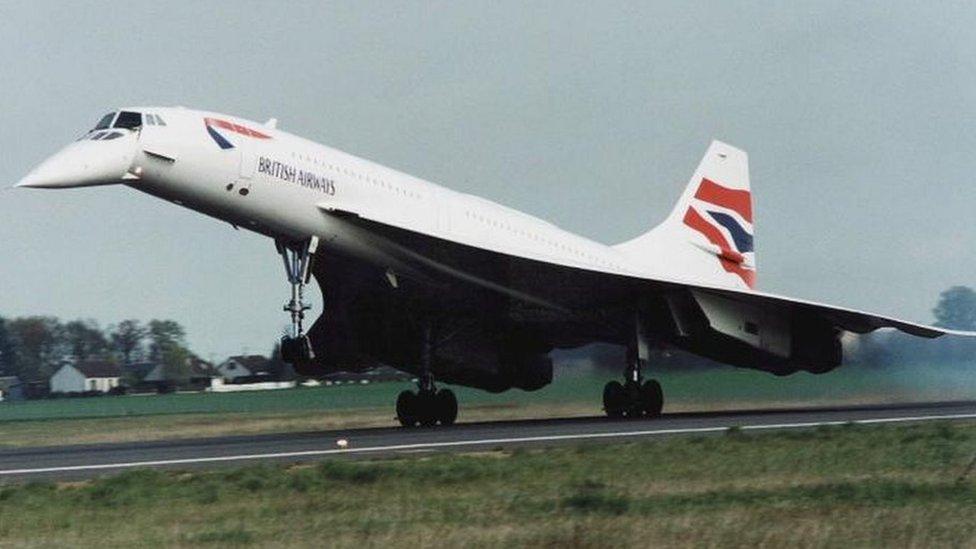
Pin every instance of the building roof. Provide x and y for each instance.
(139, 369)
(195, 368)
(99, 369)
(254, 363)
(200, 367)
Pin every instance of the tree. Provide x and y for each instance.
(167, 346)
(956, 309)
(39, 346)
(6, 349)
(128, 341)
(85, 340)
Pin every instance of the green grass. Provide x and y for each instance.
(839, 486)
(701, 388)
(575, 392)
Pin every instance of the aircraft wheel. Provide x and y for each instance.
(407, 408)
(652, 398)
(427, 409)
(614, 399)
(447, 406)
(296, 350)
(633, 400)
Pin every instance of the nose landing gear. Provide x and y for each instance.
(297, 257)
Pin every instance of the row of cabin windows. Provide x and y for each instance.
(533, 236)
(413, 194)
(376, 182)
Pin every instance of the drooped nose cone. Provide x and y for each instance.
(85, 163)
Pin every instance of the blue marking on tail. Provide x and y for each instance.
(742, 238)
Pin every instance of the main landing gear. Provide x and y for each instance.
(634, 397)
(428, 406)
(297, 257)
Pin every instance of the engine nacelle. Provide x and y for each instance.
(480, 355)
(816, 346)
(780, 340)
(495, 362)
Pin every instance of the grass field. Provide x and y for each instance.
(102, 419)
(830, 487)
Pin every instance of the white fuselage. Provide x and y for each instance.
(283, 186)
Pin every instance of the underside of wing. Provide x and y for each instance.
(841, 317)
(555, 305)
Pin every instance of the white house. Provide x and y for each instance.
(87, 376)
(243, 366)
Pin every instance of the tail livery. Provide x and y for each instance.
(708, 237)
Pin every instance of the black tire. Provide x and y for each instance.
(633, 399)
(406, 408)
(652, 398)
(614, 399)
(427, 409)
(296, 350)
(447, 407)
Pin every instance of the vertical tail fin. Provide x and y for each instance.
(708, 237)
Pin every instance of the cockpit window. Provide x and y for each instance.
(128, 119)
(112, 135)
(154, 120)
(105, 122)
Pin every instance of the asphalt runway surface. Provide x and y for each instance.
(83, 461)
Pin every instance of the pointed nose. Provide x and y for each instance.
(84, 163)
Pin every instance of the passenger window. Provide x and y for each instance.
(129, 120)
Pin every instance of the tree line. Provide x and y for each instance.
(955, 310)
(34, 347)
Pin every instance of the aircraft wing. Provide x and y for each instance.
(843, 318)
(564, 287)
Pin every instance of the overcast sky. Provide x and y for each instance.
(858, 119)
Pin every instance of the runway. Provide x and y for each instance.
(81, 461)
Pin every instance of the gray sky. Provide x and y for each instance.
(858, 118)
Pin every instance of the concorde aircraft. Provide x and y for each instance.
(460, 290)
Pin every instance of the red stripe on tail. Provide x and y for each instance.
(731, 260)
(737, 200)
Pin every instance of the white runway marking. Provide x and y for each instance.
(482, 442)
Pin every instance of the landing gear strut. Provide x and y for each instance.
(297, 257)
(634, 397)
(428, 406)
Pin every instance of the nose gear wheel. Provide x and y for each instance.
(297, 258)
